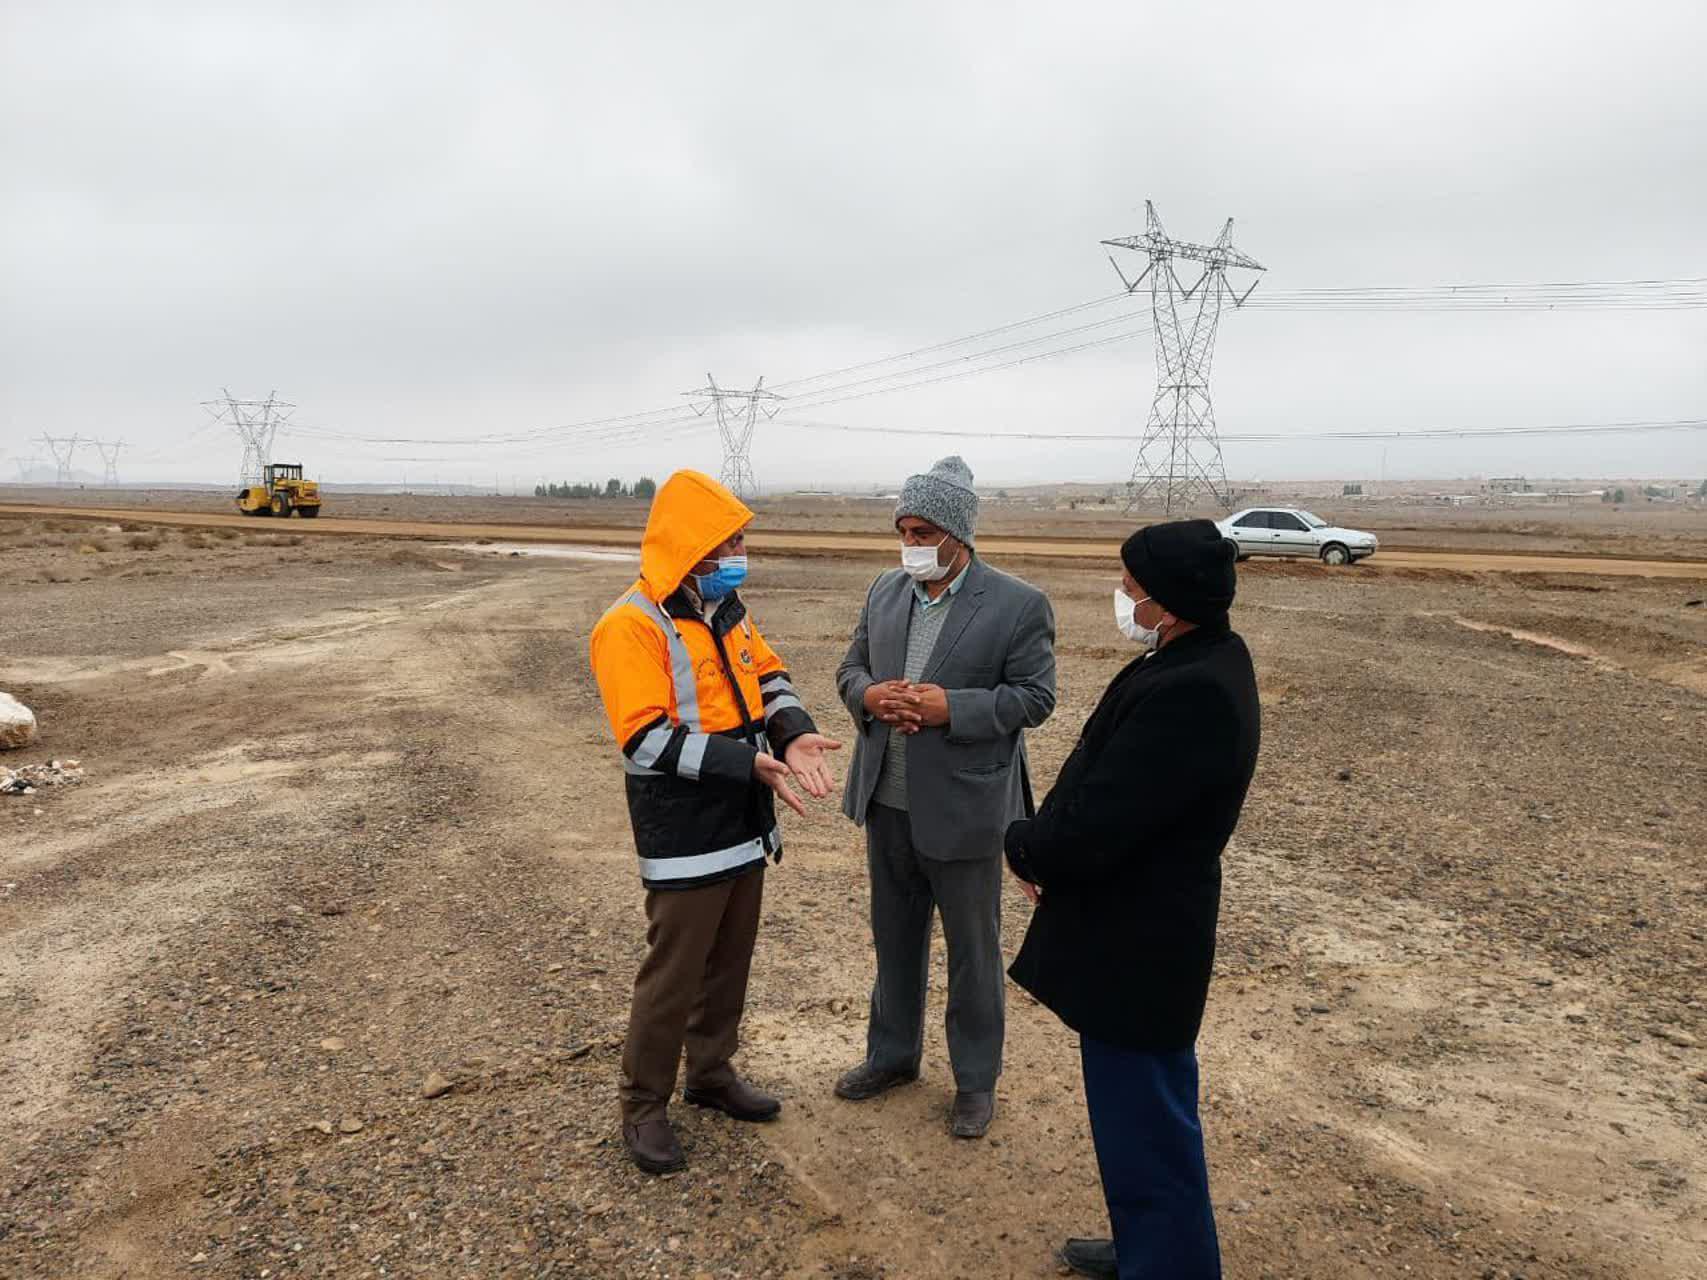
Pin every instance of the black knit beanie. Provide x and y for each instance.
(1186, 566)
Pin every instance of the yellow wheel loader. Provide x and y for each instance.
(284, 491)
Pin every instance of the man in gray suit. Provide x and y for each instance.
(952, 660)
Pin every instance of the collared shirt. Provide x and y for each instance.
(923, 597)
(924, 625)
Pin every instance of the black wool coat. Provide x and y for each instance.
(1127, 845)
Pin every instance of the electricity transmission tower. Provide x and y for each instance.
(109, 451)
(737, 414)
(26, 466)
(1179, 457)
(64, 450)
(257, 422)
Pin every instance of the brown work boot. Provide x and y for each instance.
(866, 1081)
(652, 1145)
(972, 1114)
(738, 1100)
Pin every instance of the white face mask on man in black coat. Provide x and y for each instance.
(1129, 612)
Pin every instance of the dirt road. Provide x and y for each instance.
(353, 818)
(842, 543)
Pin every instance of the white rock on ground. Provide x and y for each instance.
(17, 723)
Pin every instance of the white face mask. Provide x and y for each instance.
(1125, 609)
(921, 563)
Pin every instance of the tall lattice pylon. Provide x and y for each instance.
(257, 422)
(109, 451)
(1179, 458)
(64, 451)
(737, 414)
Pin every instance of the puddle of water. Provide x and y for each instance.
(548, 551)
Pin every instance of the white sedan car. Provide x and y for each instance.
(1291, 531)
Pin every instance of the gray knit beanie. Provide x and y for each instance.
(943, 495)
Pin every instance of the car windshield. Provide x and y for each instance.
(1315, 522)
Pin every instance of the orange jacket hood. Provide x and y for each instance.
(691, 514)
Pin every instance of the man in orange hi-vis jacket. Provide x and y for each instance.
(711, 732)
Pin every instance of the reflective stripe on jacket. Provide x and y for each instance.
(691, 702)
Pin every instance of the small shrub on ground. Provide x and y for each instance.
(144, 542)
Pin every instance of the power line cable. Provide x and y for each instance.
(620, 428)
(1279, 437)
(958, 342)
(810, 397)
(1008, 364)
(1659, 293)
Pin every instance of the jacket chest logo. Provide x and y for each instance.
(746, 656)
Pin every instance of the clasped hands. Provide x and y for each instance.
(907, 707)
(803, 761)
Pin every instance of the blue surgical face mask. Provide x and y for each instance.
(731, 573)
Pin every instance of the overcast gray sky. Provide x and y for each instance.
(438, 221)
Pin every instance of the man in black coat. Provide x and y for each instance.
(1124, 863)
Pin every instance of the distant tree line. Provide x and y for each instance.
(642, 488)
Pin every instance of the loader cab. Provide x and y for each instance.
(282, 492)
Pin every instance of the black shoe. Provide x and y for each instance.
(738, 1100)
(652, 1146)
(972, 1114)
(865, 1081)
(1090, 1258)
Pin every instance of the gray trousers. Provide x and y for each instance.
(906, 888)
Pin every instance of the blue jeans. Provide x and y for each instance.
(1149, 1146)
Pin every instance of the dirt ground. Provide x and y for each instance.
(1647, 530)
(352, 817)
(1518, 554)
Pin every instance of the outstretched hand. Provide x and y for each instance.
(805, 757)
(775, 774)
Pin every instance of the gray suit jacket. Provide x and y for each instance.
(996, 657)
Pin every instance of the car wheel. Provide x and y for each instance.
(1335, 554)
(1238, 553)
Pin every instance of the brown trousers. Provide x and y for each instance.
(690, 991)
